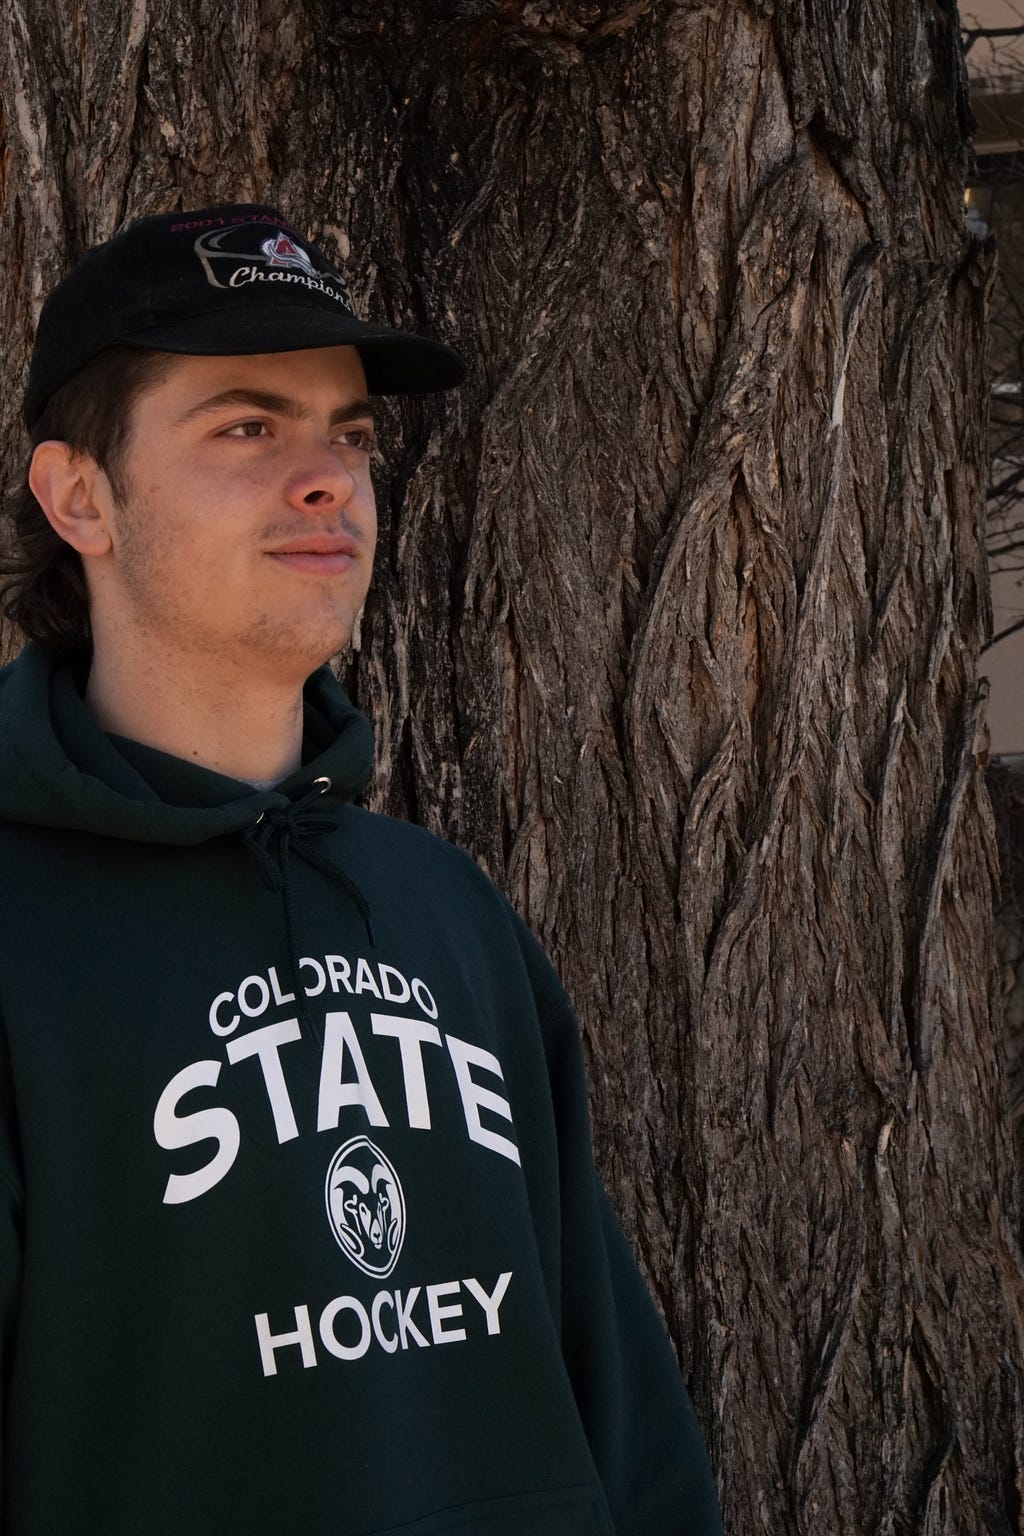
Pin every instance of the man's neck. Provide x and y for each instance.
(245, 726)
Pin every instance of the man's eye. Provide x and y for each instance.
(364, 438)
(246, 429)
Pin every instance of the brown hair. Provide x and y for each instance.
(42, 584)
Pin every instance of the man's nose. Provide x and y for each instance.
(320, 479)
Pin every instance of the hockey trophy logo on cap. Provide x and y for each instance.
(242, 255)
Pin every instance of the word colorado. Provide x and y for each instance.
(335, 973)
(393, 1321)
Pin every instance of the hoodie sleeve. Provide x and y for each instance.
(637, 1414)
(10, 1285)
(11, 1211)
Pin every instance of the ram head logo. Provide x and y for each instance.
(365, 1206)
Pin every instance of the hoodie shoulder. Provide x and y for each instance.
(452, 881)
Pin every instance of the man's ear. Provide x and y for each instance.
(75, 495)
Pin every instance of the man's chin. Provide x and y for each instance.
(298, 649)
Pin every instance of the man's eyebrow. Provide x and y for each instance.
(279, 405)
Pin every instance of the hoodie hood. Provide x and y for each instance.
(59, 768)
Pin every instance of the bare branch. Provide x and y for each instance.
(1009, 484)
(971, 36)
(1011, 629)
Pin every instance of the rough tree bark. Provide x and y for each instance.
(1006, 787)
(676, 623)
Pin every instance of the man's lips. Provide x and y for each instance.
(321, 553)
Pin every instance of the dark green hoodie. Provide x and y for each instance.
(299, 1227)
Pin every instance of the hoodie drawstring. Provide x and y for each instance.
(277, 835)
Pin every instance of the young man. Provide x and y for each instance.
(299, 1227)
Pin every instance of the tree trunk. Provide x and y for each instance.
(1006, 784)
(675, 625)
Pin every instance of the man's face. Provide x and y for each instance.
(248, 528)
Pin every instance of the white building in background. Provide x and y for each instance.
(996, 200)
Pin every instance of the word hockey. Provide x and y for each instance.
(393, 1321)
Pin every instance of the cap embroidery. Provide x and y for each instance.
(240, 255)
(283, 252)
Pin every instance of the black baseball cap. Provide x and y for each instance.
(220, 282)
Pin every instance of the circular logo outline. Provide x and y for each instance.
(374, 1213)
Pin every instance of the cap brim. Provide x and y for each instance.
(396, 362)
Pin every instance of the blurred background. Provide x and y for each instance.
(994, 46)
